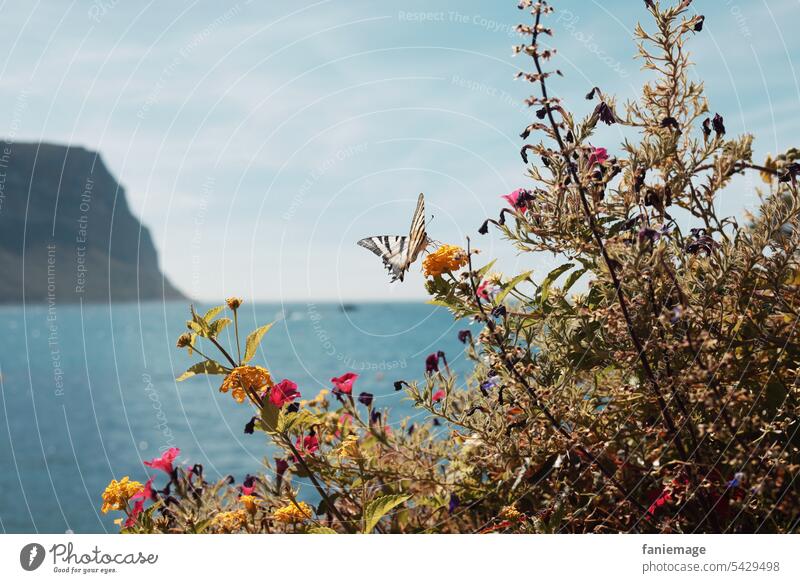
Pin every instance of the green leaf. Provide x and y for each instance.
(511, 285)
(270, 415)
(212, 313)
(253, 340)
(204, 367)
(378, 508)
(218, 326)
(320, 530)
(295, 421)
(485, 269)
(552, 277)
(573, 278)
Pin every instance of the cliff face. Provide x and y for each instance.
(66, 231)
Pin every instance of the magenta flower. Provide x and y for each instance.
(164, 463)
(598, 156)
(344, 383)
(282, 393)
(438, 396)
(516, 199)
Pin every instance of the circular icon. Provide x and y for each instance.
(31, 556)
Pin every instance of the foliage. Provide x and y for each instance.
(662, 398)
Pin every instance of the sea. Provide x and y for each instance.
(89, 392)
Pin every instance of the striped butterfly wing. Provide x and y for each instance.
(417, 237)
(393, 250)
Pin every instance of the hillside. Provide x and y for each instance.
(67, 233)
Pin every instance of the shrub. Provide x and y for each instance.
(661, 398)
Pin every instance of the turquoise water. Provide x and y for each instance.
(88, 392)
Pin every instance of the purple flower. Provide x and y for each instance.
(366, 399)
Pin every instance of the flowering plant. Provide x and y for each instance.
(663, 397)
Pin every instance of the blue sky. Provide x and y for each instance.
(259, 140)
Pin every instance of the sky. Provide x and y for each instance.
(258, 141)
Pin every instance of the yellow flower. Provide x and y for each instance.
(230, 521)
(318, 400)
(510, 513)
(293, 513)
(250, 502)
(244, 378)
(117, 494)
(349, 448)
(234, 303)
(445, 258)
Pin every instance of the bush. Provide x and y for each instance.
(662, 398)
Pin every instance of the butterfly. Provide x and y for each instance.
(397, 252)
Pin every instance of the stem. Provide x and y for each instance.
(236, 330)
(328, 504)
(223, 351)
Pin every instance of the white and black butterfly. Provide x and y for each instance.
(398, 252)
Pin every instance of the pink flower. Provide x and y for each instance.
(516, 199)
(146, 493)
(137, 509)
(487, 290)
(282, 393)
(164, 463)
(598, 156)
(307, 444)
(344, 383)
(438, 396)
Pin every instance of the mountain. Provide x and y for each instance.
(67, 233)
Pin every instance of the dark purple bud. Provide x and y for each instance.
(453, 504)
(698, 27)
(719, 125)
(293, 408)
(707, 128)
(250, 427)
(499, 312)
(591, 94)
(464, 336)
(432, 363)
(603, 111)
(375, 417)
(671, 122)
(230, 479)
(249, 481)
(281, 465)
(484, 227)
(398, 385)
(366, 399)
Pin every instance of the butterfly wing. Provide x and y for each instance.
(393, 250)
(417, 237)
